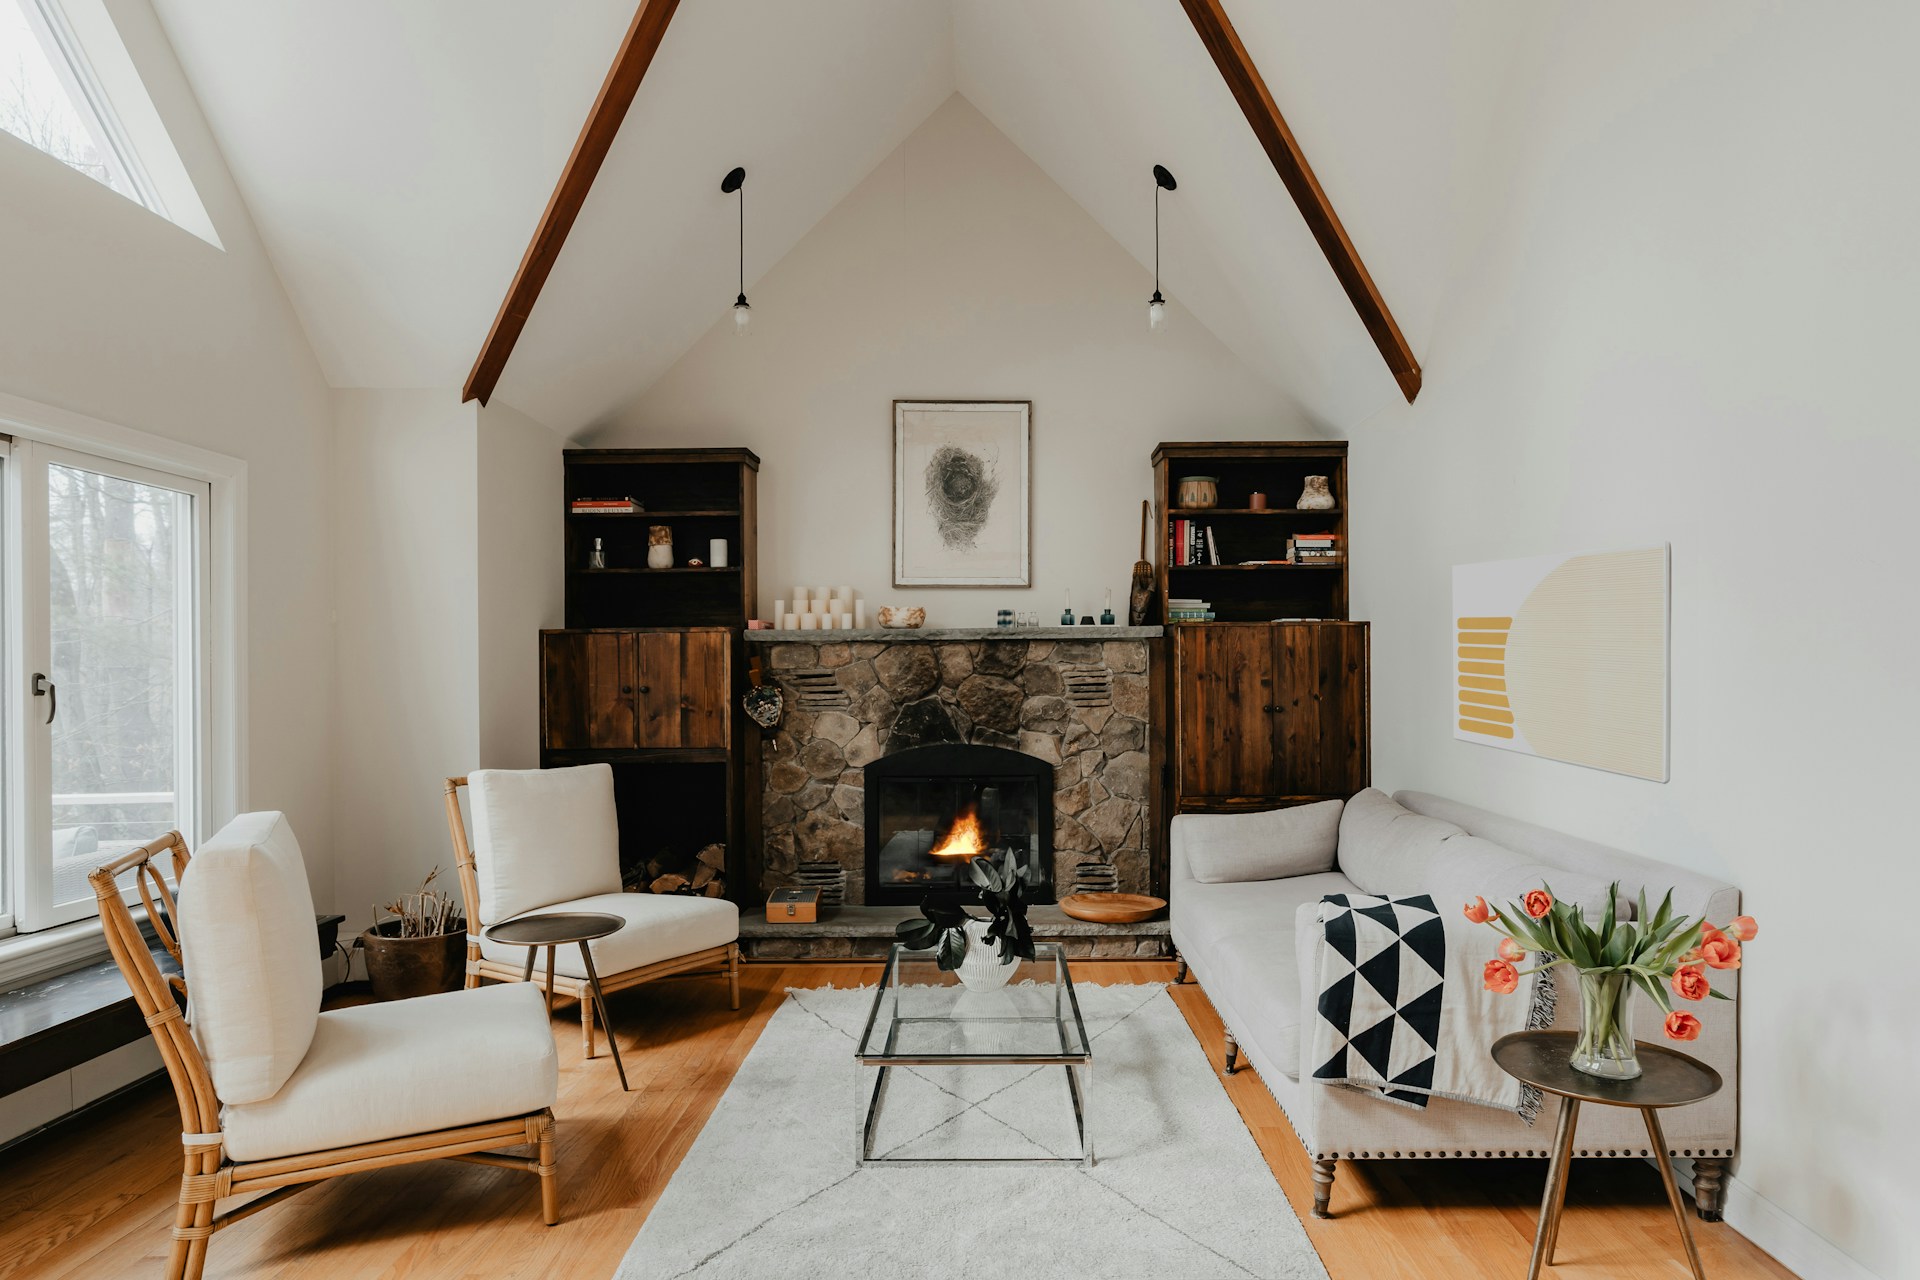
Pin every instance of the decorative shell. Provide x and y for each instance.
(902, 617)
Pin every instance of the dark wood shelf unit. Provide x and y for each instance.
(1278, 468)
(1267, 706)
(648, 672)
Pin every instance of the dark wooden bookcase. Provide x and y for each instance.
(1279, 469)
(1269, 703)
(647, 673)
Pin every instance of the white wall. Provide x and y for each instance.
(956, 270)
(448, 537)
(1692, 317)
(521, 588)
(111, 311)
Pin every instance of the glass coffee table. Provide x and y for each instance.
(924, 1022)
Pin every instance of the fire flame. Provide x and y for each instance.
(964, 839)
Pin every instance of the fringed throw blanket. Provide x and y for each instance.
(1403, 1013)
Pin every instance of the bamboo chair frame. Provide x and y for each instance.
(712, 961)
(208, 1175)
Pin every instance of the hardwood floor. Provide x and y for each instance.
(95, 1197)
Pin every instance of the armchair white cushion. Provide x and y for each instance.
(379, 1071)
(543, 836)
(660, 926)
(253, 968)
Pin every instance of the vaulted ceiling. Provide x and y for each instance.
(397, 158)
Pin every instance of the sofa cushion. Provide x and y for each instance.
(1466, 867)
(379, 1071)
(1386, 849)
(1226, 847)
(660, 926)
(1242, 937)
(252, 969)
(542, 836)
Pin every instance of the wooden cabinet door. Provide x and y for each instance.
(1320, 718)
(1224, 687)
(682, 693)
(587, 700)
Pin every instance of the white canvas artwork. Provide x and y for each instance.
(961, 490)
(1565, 656)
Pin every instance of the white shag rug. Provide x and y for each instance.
(771, 1186)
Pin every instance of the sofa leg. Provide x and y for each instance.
(1322, 1187)
(1709, 1187)
(1179, 968)
(1233, 1054)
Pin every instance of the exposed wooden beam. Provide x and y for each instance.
(583, 166)
(1209, 18)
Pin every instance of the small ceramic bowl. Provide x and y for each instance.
(900, 617)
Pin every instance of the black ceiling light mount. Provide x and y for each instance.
(1157, 305)
(735, 183)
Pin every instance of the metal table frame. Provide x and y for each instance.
(1078, 1065)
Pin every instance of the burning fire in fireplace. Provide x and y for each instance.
(964, 839)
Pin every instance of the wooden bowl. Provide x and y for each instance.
(1112, 908)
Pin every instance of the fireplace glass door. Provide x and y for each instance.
(934, 809)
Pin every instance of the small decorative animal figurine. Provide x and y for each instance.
(902, 617)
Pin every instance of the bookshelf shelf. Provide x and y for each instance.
(715, 512)
(679, 568)
(1234, 531)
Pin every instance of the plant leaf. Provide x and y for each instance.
(953, 949)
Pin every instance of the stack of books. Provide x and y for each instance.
(1189, 543)
(1314, 548)
(1189, 611)
(605, 507)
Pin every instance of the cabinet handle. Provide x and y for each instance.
(645, 689)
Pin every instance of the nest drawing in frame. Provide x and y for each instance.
(961, 485)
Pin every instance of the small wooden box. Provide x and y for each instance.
(793, 906)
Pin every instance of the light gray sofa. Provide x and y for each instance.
(1244, 893)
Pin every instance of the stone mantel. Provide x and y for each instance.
(943, 635)
(1084, 699)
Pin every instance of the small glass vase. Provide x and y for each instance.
(1605, 1046)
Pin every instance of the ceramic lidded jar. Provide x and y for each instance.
(1316, 496)
(1199, 491)
(659, 546)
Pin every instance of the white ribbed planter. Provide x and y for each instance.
(981, 969)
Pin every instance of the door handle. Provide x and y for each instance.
(45, 688)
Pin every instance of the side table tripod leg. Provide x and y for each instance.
(1665, 1162)
(1554, 1198)
(613, 1042)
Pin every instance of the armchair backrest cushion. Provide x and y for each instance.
(251, 956)
(1386, 849)
(1226, 848)
(542, 836)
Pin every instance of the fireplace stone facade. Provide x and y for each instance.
(1082, 700)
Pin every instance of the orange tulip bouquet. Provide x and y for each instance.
(1660, 953)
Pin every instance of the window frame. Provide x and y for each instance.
(219, 702)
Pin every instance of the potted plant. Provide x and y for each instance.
(981, 950)
(1659, 953)
(421, 949)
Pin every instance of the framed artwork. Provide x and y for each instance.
(1565, 656)
(962, 484)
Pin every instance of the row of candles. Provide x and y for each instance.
(822, 609)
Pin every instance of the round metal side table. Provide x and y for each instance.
(558, 929)
(1668, 1079)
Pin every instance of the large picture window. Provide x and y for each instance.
(106, 596)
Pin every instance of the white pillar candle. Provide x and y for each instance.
(716, 553)
(789, 622)
(838, 605)
(860, 614)
(809, 622)
(846, 621)
(822, 605)
(779, 610)
(845, 593)
(799, 599)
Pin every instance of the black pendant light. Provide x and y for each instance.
(1157, 305)
(735, 183)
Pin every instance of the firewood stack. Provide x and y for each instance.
(704, 874)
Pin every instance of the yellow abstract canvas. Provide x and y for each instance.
(1566, 657)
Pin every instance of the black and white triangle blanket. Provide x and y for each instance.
(1403, 1013)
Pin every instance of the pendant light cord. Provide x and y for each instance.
(743, 240)
(1156, 236)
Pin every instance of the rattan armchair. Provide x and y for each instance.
(209, 1173)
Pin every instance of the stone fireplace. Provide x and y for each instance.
(1077, 703)
(931, 810)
